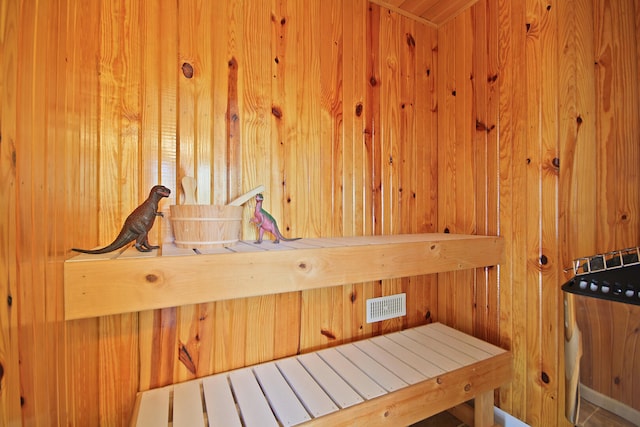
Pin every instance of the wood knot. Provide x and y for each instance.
(187, 70)
(185, 357)
(302, 266)
(545, 377)
(328, 334)
(411, 42)
(151, 278)
(439, 380)
(467, 387)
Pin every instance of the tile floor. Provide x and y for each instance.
(590, 416)
(594, 416)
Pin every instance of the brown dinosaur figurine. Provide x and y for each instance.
(265, 222)
(137, 225)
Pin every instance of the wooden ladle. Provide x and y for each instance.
(246, 196)
(189, 190)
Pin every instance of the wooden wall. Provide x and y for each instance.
(515, 118)
(539, 120)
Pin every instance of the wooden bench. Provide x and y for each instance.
(390, 380)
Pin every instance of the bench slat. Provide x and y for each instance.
(452, 341)
(221, 408)
(425, 352)
(154, 408)
(395, 365)
(317, 402)
(253, 405)
(469, 339)
(283, 400)
(187, 405)
(421, 365)
(341, 393)
(442, 348)
(383, 376)
(358, 380)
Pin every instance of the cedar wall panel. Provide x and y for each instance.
(563, 147)
(330, 105)
(516, 117)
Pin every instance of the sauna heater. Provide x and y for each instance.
(602, 334)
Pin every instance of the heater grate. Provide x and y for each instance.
(388, 307)
(614, 276)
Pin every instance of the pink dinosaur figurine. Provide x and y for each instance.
(265, 222)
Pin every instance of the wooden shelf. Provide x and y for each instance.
(98, 285)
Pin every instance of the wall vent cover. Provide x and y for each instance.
(388, 307)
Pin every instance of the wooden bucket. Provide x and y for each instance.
(205, 226)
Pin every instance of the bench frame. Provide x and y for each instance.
(419, 401)
(450, 390)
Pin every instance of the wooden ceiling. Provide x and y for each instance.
(434, 12)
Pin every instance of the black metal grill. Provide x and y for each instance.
(614, 276)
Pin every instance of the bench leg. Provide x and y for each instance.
(483, 409)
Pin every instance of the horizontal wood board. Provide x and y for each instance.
(119, 284)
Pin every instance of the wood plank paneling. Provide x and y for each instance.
(355, 193)
(119, 155)
(389, 131)
(485, 106)
(307, 99)
(608, 340)
(9, 340)
(512, 196)
(456, 165)
(616, 187)
(552, 166)
(576, 213)
(322, 309)
(423, 193)
(194, 157)
(159, 151)
(81, 100)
